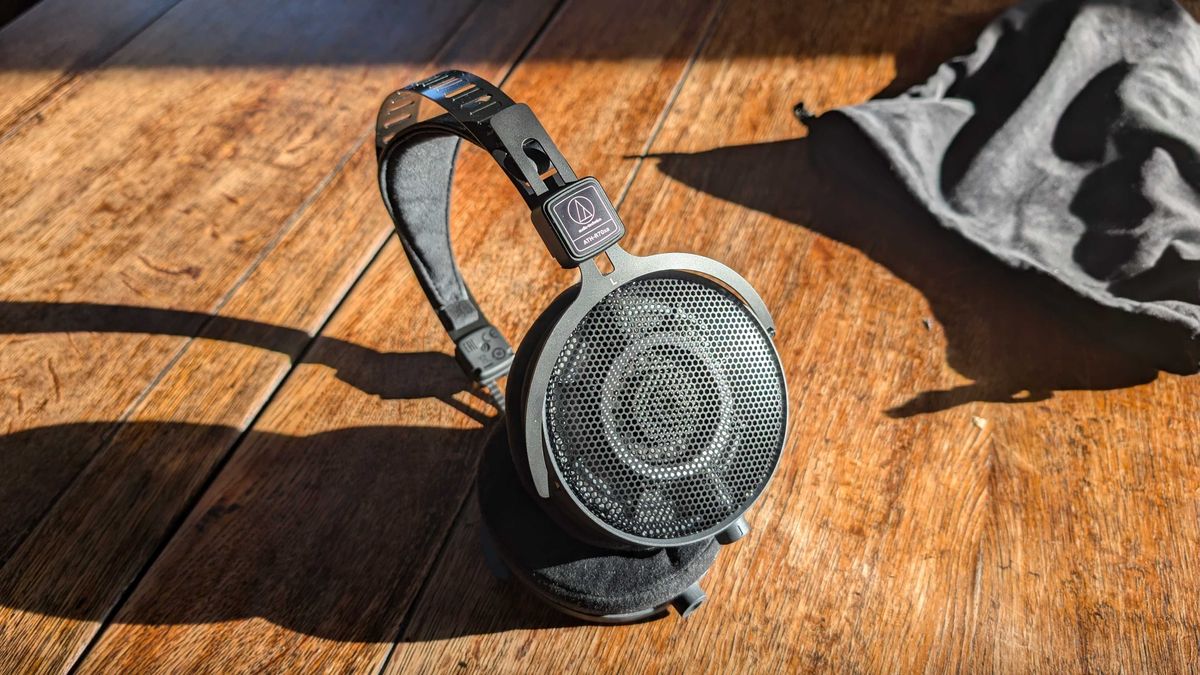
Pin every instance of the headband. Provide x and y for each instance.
(574, 216)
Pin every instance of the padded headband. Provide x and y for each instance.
(416, 164)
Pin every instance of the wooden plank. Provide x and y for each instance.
(308, 550)
(988, 533)
(63, 581)
(45, 48)
(165, 188)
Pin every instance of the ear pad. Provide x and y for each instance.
(518, 380)
(580, 579)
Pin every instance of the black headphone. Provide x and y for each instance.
(647, 406)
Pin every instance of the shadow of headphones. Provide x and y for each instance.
(646, 407)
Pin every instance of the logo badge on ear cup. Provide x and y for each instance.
(582, 219)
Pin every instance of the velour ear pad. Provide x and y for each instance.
(578, 578)
(518, 380)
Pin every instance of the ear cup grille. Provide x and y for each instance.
(666, 408)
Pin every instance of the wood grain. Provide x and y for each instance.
(310, 547)
(972, 482)
(107, 525)
(48, 46)
(142, 189)
(980, 530)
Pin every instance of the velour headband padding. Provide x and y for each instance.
(416, 177)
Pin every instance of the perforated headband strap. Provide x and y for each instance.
(416, 164)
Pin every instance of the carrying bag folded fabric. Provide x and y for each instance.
(1067, 143)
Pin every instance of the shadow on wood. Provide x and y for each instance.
(319, 539)
(1016, 335)
(389, 376)
(232, 35)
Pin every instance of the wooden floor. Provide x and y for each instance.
(234, 440)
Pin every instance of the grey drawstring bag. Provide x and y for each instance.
(1067, 144)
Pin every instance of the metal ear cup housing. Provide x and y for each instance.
(647, 406)
(655, 411)
(518, 383)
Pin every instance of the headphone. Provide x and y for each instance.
(646, 407)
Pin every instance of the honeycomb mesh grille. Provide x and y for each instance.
(666, 408)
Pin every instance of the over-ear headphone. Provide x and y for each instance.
(647, 406)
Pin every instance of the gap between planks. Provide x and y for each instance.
(300, 357)
(64, 82)
(709, 28)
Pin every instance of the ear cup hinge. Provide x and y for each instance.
(485, 356)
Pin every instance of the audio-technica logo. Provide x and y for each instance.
(581, 210)
(585, 220)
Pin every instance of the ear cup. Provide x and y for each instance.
(518, 380)
(664, 410)
(579, 579)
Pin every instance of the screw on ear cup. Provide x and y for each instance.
(579, 579)
(518, 381)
